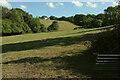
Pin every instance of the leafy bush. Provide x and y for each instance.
(53, 27)
(37, 26)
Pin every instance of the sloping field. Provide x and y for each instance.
(61, 54)
(64, 25)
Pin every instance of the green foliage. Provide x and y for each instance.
(63, 18)
(6, 29)
(71, 19)
(28, 19)
(43, 28)
(17, 21)
(26, 28)
(111, 15)
(118, 14)
(53, 27)
(79, 19)
(10, 28)
(100, 16)
(15, 29)
(36, 26)
(15, 16)
(90, 15)
(53, 18)
(97, 23)
(4, 12)
(88, 22)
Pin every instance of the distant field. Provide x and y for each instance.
(61, 54)
(64, 25)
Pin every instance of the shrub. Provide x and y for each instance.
(53, 27)
(43, 28)
(37, 26)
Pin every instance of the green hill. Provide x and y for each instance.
(61, 54)
(64, 25)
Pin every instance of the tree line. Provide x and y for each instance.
(16, 21)
(109, 17)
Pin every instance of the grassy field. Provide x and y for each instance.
(63, 25)
(62, 54)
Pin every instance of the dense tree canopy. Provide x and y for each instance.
(16, 21)
(78, 19)
(110, 16)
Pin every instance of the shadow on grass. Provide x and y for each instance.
(64, 41)
(78, 64)
(92, 29)
(32, 60)
(81, 63)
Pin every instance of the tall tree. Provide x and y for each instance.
(78, 19)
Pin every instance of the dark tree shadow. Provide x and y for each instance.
(81, 63)
(85, 64)
(31, 60)
(64, 41)
(106, 28)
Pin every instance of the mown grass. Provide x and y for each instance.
(62, 54)
(63, 25)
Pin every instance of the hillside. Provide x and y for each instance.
(61, 54)
(64, 25)
(33, 48)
